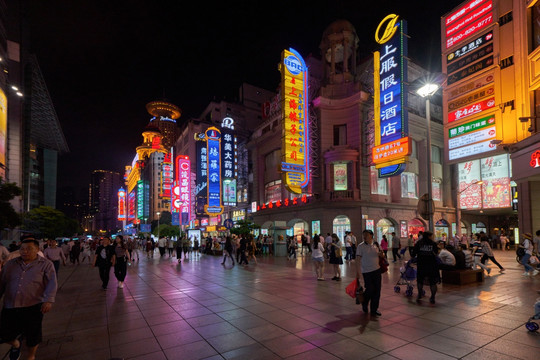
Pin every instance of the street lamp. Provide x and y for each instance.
(427, 90)
(458, 207)
(158, 224)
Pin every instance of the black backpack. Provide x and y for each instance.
(520, 251)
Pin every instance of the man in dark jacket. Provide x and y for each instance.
(104, 259)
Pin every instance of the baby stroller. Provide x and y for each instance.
(408, 275)
(531, 325)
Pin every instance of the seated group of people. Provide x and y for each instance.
(454, 258)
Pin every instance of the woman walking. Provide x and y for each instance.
(384, 245)
(179, 247)
(318, 257)
(55, 254)
(251, 249)
(120, 260)
(427, 268)
(227, 250)
(478, 253)
(488, 253)
(336, 257)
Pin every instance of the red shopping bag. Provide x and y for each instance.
(351, 288)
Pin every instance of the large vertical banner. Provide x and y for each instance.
(183, 181)
(166, 176)
(392, 145)
(213, 145)
(3, 133)
(121, 204)
(131, 206)
(229, 161)
(140, 199)
(295, 121)
(201, 173)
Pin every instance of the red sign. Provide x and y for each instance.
(471, 109)
(183, 181)
(285, 203)
(121, 205)
(468, 20)
(535, 159)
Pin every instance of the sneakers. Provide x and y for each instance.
(432, 300)
(526, 273)
(535, 272)
(488, 271)
(120, 284)
(15, 353)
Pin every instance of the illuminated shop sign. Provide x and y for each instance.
(229, 192)
(213, 146)
(340, 177)
(295, 125)
(470, 70)
(474, 137)
(166, 176)
(468, 48)
(471, 126)
(470, 86)
(535, 159)
(391, 118)
(183, 185)
(140, 199)
(496, 192)
(201, 173)
(471, 109)
(229, 162)
(469, 59)
(122, 204)
(131, 206)
(304, 199)
(469, 99)
(468, 20)
(471, 150)
(3, 133)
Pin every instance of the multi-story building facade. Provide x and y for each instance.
(103, 201)
(346, 192)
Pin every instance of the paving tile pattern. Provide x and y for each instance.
(277, 309)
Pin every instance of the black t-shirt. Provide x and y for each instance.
(104, 254)
(425, 250)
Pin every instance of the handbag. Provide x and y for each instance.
(338, 252)
(383, 264)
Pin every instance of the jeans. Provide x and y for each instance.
(104, 271)
(56, 264)
(372, 292)
(348, 255)
(525, 262)
(120, 269)
(395, 253)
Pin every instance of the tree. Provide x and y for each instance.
(244, 227)
(167, 230)
(47, 222)
(8, 216)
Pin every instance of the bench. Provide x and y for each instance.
(462, 276)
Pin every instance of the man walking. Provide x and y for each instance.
(28, 284)
(104, 260)
(367, 264)
(396, 245)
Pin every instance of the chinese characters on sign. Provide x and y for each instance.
(295, 131)
(390, 73)
(468, 20)
(183, 188)
(213, 145)
(304, 199)
(166, 176)
(121, 204)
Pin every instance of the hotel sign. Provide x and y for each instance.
(295, 157)
(468, 48)
(391, 116)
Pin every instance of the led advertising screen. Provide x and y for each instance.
(213, 145)
(295, 125)
(140, 199)
(122, 205)
(229, 192)
(470, 193)
(496, 182)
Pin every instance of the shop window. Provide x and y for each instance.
(340, 177)
(272, 191)
(409, 185)
(378, 186)
(340, 135)
(436, 190)
(436, 155)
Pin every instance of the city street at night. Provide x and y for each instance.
(277, 309)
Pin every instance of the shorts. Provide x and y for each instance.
(22, 320)
(318, 259)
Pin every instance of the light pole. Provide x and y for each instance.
(158, 224)
(458, 207)
(427, 90)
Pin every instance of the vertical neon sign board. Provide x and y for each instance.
(213, 145)
(140, 199)
(295, 121)
(391, 117)
(166, 176)
(183, 181)
(131, 206)
(121, 204)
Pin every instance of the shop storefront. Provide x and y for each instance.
(384, 227)
(415, 226)
(340, 225)
(441, 230)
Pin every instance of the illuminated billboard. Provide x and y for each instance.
(183, 188)
(295, 124)
(473, 137)
(122, 213)
(471, 109)
(166, 176)
(131, 206)
(229, 162)
(467, 20)
(3, 133)
(140, 199)
(201, 173)
(213, 145)
(392, 147)
(229, 192)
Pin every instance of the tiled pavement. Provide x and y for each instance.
(276, 309)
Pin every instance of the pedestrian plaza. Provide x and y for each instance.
(277, 309)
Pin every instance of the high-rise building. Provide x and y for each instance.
(164, 118)
(103, 200)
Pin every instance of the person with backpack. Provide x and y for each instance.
(526, 248)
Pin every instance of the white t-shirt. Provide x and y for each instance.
(348, 241)
(318, 252)
(369, 257)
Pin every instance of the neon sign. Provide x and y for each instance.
(166, 176)
(471, 109)
(183, 188)
(228, 149)
(391, 118)
(535, 159)
(468, 20)
(304, 199)
(213, 145)
(121, 204)
(131, 206)
(140, 199)
(295, 125)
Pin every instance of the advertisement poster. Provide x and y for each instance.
(470, 193)
(496, 182)
(370, 225)
(340, 177)
(315, 227)
(404, 229)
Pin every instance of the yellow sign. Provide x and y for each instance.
(389, 31)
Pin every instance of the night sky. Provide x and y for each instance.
(104, 60)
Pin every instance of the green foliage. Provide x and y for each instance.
(167, 230)
(8, 216)
(244, 227)
(44, 221)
